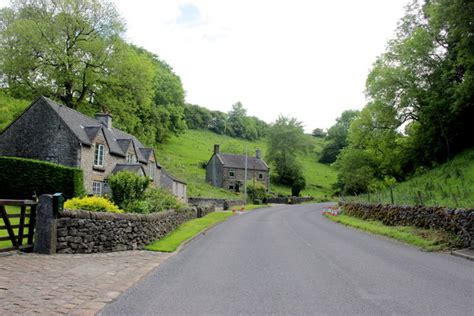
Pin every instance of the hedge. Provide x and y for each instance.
(22, 178)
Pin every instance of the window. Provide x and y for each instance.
(260, 176)
(97, 187)
(99, 155)
(131, 158)
(231, 187)
(231, 173)
(151, 170)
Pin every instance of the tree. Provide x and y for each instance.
(337, 136)
(318, 132)
(285, 139)
(58, 48)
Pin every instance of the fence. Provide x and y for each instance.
(17, 223)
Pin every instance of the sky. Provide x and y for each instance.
(307, 59)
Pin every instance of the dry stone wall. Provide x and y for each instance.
(88, 232)
(457, 221)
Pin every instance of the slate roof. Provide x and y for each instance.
(86, 128)
(130, 167)
(166, 174)
(238, 162)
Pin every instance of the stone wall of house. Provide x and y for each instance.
(214, 172)
(41, 134)
(89, 232)
(221, 203)
(239, 178)
(457, 221)
(289, 199)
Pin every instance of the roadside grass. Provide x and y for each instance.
(187, 230)
(426, 239)
(13, 221)
(185, 156)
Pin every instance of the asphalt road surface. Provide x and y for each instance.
(291, 260)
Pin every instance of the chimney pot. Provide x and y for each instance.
(216, 148)
(258, 154)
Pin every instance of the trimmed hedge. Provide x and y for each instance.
(457, 221)
(21, 178)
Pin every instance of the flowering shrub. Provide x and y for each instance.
(92, 203)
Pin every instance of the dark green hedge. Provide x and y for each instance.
(21, 178)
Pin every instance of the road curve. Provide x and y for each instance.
(291, 260)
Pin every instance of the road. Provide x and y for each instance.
(291, 260)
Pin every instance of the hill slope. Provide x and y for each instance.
(450, 184)
(185, 156)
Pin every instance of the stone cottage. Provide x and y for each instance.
(228, 170)
(173, 185)
(52, 132)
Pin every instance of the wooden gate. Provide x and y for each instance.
(17, 222)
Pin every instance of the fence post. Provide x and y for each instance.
(46, 221)
(391, 196)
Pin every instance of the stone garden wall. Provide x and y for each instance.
(457, 221)
(223, 203)
(88, 232)
(289, 199)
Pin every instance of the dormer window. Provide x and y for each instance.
(131, 158)
(99, 155)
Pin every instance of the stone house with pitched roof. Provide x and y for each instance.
(52, 132)
(228, 170)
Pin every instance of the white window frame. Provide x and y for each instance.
(99, 155)
(98, 188)
(261, 176)
(233, 173)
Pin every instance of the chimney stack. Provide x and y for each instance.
(105, 119)
(216, 148)
(258, 154)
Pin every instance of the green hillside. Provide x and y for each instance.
(450, 184)
(185, 157)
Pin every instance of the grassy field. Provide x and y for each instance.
(185, 155)
(450, 184)
(426, 239)
(13, 221)
(185, 231)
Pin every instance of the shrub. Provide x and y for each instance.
(154, 200)
(126, 187)
(256, 193)
(92, 203)
(22, 178)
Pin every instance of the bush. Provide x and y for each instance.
(126, 187)
(22, 178)
(256, 193)
(92, 203)
(154, 200)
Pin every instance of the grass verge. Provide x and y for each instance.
(426, 239)
(185, 231)
(14, 221)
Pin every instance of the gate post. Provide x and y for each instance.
(46, 221)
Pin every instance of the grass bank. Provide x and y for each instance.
(185, 231)
(426, 239)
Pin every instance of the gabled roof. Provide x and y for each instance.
(238, 162)
(165, 173)
(86, 128)
(130, 167)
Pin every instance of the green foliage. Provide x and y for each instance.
(186, 231)
(126, 187)
(256, 193)
(73, 52)
(154, 200)
(421, 98)
(337, 136)
(298, 185)
(318, 132)
(92, 203)
(23, 178)
(10, 108)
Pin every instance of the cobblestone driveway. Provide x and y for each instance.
(69, 284)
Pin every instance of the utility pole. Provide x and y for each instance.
(245, 176)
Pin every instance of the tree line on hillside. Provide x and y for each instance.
(420, 101)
